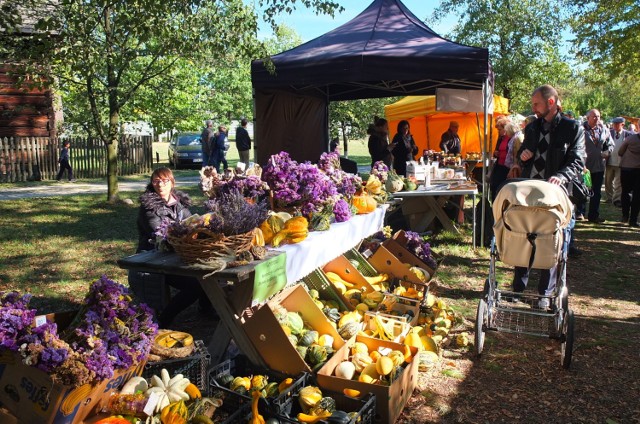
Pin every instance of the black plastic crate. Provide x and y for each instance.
(232, 400)
(365, 406)
(194, 367)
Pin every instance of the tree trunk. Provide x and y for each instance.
(345, 145)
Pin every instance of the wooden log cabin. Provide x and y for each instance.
(25, 111)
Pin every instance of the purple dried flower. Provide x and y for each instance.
(342, 211)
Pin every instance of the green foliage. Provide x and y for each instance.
(607, 35)
(523, 39)
(350, 119)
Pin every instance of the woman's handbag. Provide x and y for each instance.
(578, 189)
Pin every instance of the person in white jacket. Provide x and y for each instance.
(612, 185)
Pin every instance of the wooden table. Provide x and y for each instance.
(420, 207)
(230, 292)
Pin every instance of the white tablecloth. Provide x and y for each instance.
(321, 247)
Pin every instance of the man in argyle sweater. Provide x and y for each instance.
(552, 150)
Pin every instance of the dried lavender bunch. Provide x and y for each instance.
(237, 216)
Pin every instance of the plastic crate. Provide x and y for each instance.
(318, 281)
(365, 407)
(150, 289)
(363, 265)
(232, 400)
(194, 367)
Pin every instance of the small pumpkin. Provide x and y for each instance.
(385, 365)
(308, 338)
(364, 203)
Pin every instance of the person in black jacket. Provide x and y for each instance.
(243, 142)
(159, 202)
(379, 147)
(404, 149)
(552, 150)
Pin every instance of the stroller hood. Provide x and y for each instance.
(534, 193)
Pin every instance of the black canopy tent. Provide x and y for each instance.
(384, 51)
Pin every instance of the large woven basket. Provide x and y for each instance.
(204, 244)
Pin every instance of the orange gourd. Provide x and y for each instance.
(364, 203)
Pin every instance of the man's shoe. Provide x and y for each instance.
(580, 218)
(73, 180)
(624, 219)
(597, 220)
(574, 252)
(634, 224)
(544, 304)
(617, 204)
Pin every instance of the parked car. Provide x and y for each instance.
(185, 149)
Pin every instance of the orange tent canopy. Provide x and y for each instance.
(428, 124)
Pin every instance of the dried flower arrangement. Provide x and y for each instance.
(110, 332)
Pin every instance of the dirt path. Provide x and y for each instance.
(520, 379)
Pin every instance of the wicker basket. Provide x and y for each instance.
(204, 244)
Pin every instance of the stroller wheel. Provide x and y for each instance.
(482, 320)
(566, 348)
(485, 290)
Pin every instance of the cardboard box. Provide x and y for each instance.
(32, 397)
(385, 261)
(30, 394)
(405, 256)
(270, 340)
(414, 169)
(349, 273)
(400, 237)
(390, 400)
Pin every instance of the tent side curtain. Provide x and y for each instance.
(427, 125)
(292, 123)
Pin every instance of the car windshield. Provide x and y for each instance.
(189, 140)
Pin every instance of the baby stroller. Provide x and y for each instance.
(531, 230)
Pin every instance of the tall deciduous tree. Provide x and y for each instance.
(524, 39)
(109, 50)
(608, 34)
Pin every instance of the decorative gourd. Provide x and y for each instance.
(397, 357)
(339, 417)
(373, 185)
(359, 347)
(256, 418)
(258, 382)
(258, 237)
(240, 382)
(325, 340)
(308, 397)
(413, 339)
(295, 322)
(364, 203)
(349, 317)
(409, 185)
(369, 374)
(317, 354)
(361, 360)
(271, 390)
(113, 420)
(308, 338)
(175, 413)
(385, 365)
(394, 183)
(326, 406)
(349, 330)
(302, 351)
(285, 384)
(345, 369)
(193, 391)
(332, 313)
(224, 380)
(429, 344)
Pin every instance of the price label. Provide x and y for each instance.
(270, 277)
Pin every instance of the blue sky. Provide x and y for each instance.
(309, 25)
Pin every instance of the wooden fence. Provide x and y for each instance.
(36, 158)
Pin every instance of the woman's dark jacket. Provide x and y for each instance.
(403, 153)
(378, 149)
(566, 154)
(152, 211)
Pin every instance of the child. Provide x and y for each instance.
(64, 163)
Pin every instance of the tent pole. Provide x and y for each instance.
(253, 119)
(485, 161)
